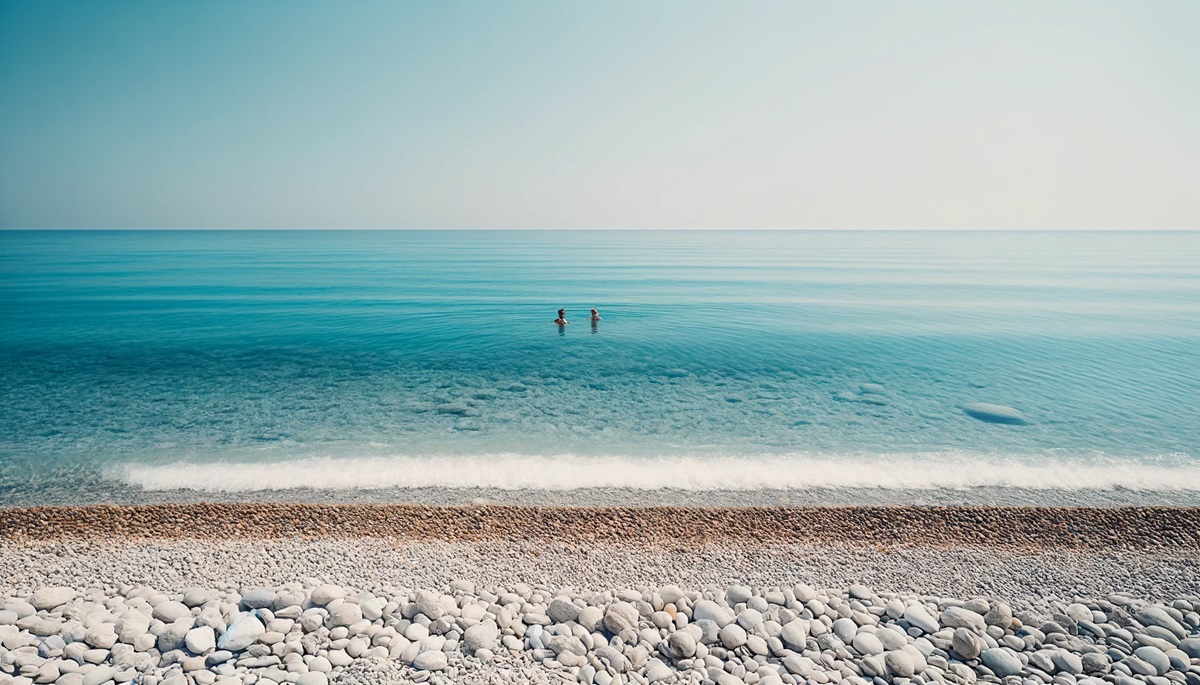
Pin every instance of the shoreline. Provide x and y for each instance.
(1079, 528)
(274, 594)
(94, 493)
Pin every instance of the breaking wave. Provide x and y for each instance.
(572, 472)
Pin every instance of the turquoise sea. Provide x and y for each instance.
(341, 365)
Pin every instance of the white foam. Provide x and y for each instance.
(570, 472)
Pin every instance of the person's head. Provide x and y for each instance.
(562, 313)
(595, 311)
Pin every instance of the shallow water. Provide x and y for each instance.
(350, 362)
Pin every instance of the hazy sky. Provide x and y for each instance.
(574, 113)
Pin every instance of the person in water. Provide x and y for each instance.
(562, 318)
(595, 314)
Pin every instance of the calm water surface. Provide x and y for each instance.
(238, 362)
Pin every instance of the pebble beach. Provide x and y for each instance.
(269, 593)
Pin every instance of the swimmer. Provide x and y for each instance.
(562, 318)
(595, 314)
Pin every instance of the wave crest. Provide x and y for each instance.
(572, 472)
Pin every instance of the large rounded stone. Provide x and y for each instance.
(430, 661)
(258, 598)
(482, 635)
(737, 594)
(325, 594)
(733, 636)
(899, 664)
(958, 617)
(200, 640)
(795, 634)
(710, 610)
(430, 604)
(681, 644)
(590, 617)
(169, 612)
(48, 598)
(867, 644)
(244, 632)
(1002, 661)
(1000, 615)
(1155, 657)
(917, 616)
(562, 610)
(965, 644)
(172, 635)
(344, 614)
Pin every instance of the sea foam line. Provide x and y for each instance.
(570, 472)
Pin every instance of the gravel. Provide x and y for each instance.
(599, 596)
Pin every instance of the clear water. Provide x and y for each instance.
(242, 362)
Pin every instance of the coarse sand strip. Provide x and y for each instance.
(1080, 528)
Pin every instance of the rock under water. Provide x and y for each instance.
(995, 413)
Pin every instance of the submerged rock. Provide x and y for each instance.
(995, 413)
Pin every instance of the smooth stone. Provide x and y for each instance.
(218, 657)
(750, 618)
(681, 644)
(711, 611)
(482, 635)
(958, 617)
(562, 610)
(733, 636)
(319, 664)
(708, 630)
(96, 656)
(1003, 662)
(200, 640)
(1068, 662)
(430, 661)
(965, 644)
(345, 614)
(430, 604)
(172, 635)
(326, 593)
(1138, 666)
(738, 594)
(169, 612)
(258, 598)
(867, 644)
(995, 413)
(919, 617)
(899, 664)
(48, 598)
(795, 634)
(101, 636)
(656, 670)
(590, 617)
(1157, 616)
(1191, 647)
(862, 591)
(999, 615)
(98, 675)
(312, 678)
(1155, 657)
(845, 629)
(891, 639)
(243, 633)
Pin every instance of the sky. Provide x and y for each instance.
(1058, 114)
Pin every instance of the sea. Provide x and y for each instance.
(728, 367)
